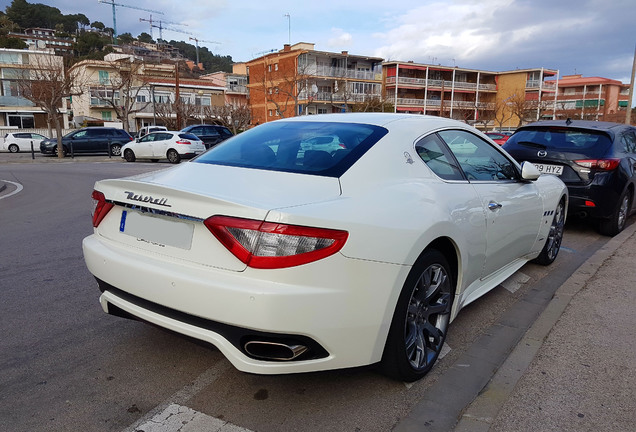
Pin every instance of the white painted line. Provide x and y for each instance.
(514, 282)
(178, 418)
(18, 186)
(181, 397)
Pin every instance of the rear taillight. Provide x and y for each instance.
(183, 142)
(599, 164)
(269, 245)
(101, 208)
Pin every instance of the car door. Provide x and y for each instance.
(513, 208)
(143, 147)
(80, 141)
(160, 145)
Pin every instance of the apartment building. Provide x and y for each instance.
(148, 95)
(299, 80)
(235, 84)
(43, 38)
(484, 98)
(15, 110)
(591, 98)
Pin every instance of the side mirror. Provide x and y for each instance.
(529, 171)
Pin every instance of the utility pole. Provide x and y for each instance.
(288, 16)
(628, 116)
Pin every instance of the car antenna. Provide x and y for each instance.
(568, 121)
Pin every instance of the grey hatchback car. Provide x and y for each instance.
(89, 140)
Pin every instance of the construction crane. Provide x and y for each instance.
(113, 4)
(160, 26)
(196, 44)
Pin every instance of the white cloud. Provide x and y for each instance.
(340, 39)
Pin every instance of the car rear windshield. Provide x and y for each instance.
(188, 136)
(562, 139)
(320, 148)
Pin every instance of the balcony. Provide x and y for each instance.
(329, 97)
(448, 85)
(544, 85)
(437, 103)
(236, 88)
(333, 72)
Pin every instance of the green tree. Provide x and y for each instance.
(144, 37)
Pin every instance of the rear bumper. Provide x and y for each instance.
(341, 308)
(594, 200)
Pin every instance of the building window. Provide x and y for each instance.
(141, 98)
(270, 113)
(269, 68)
(103, 77)
(276, 66)
(107, 115)
(322, 110)
(23, 121)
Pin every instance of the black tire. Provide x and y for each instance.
(13, 148)
(115, 149)
(420, 321)
(615, 223)
(64, 151)
(555, 237)
(173, 156)
(129, 155)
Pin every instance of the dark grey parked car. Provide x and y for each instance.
(596, 160)
(211, 135)
(89, 140)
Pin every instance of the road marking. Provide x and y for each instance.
(178, 418)
(18, 186)
(514, 282)
(161, 418)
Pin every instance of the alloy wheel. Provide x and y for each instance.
(427, 317)
(555, 237)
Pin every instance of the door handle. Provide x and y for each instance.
(492, 205)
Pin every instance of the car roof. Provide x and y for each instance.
(577, 124)
(380, 119)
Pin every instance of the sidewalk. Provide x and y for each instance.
(575, 369)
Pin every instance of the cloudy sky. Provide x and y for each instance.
(589, 37)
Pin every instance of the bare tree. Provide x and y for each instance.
(373, 104)
(174, 115)
(126, 83)
(47, 81)
(237, 118)
(503, 112)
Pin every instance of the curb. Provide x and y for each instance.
(483, 410)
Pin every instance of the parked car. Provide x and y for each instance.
(290, 263)
(147, 129)
(171, 145)
(596, 160)
(15, 142)
(89, 140)
(498, 137)
(211, 135)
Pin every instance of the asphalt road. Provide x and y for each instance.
(67, 366)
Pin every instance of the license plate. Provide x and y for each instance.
(156, 231)
(550, 169)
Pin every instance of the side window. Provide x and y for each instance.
(477, 158)
(210, 131)
(22, 135)
(629, 141)
(197, 131)
(436, 156)
(80, 134)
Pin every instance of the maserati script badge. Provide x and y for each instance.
(147, 199)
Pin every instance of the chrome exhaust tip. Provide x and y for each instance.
(274, 350)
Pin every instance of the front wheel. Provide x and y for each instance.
(420, 321)
(555, 237)
(129, 155)
(616, 222)
(13, 148)
(173, 156)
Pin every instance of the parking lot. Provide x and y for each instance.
(67, 366)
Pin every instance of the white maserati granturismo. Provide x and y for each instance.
(323, 242)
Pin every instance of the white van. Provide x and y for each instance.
(147, 129)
